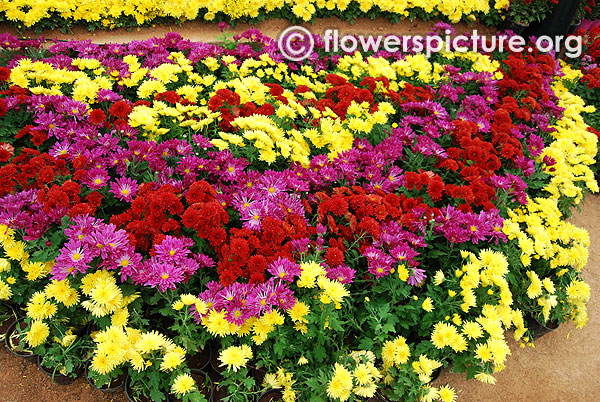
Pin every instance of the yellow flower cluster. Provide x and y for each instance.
(282, 380)
(188, 299)
(340, 386)
(16, 251)
(118, 345)
(411, 67)
(541, 232)
(332, 291)
(217, 325)
(487, 270)
(44, 79)
(578, 294)
(109, 12)
(395, 352)
(361, 380)
(298, 315)
(574, 148)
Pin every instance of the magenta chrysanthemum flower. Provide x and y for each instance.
(96, 178)
(284, 296)
(284, 269)
(341, 273)
(74, 257)
(380, 264)
(173, 249)
(124, 188)
(159, 275)
(300, 245)
(127, 260)
(261, 297)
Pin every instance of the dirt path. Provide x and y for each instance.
(206, 32)
(563, 366)
(22, 381)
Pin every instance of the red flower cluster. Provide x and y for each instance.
(590, 77)
(353, 213)
(65, 200)
(37, 136)
(4, 74)
(120, 112)
(21, 94)
(525, 74)
(30, 169)
(339, 97)
(153, 215)
(205, 214)
(160, 212)
(409, 93)
(247, 253)
(227, 103)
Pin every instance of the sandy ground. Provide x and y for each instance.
(563, 366)
(205, 32)
(22, 381)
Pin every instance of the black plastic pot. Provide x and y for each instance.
(201, 359)
(12, 342)
(8, 318)
(436, 374)
(271, 395)
(18, 311)
(131, 398)
(118, 384)
(258, 374)
(215, 370)
(378, 398)
(537, 328)
(55, 376)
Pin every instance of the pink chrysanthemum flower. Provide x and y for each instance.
(124, 188)
(284, 269)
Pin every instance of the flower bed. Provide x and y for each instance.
(340, 229)
(113, 14)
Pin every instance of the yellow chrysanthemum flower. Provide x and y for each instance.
(235, 357)
(183, 384)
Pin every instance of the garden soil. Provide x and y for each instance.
(564, 366)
